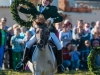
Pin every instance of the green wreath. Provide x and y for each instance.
(92, 61)
(15, 14)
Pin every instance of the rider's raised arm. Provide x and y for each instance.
(28, 10)
(55, 15)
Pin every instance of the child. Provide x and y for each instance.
(27, 37)
(85, 52)
(66, 56)
(16, 47)
(75, 58)
(23, 31)
(95, 41)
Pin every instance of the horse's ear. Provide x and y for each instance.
(48, 23)
(40, 19)
(34, 24)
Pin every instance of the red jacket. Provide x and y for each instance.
(66, 55)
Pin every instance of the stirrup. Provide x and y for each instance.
(19, 66)
(61, 68)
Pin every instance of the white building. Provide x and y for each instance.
(72, 16)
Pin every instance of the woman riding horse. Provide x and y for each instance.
(43, 51)
(50, 13)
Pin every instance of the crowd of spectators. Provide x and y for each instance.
(77, 41)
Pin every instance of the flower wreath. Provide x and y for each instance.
(15, 14)
(92, 61)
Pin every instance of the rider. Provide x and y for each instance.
(50, 13)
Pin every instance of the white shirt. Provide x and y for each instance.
(65, 37)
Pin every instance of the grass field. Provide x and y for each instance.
(11, 72)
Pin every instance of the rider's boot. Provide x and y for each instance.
(60, 68)
(58, 56)
(21, 65)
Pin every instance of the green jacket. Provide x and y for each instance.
(50, 11)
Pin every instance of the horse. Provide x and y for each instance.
(43, 59)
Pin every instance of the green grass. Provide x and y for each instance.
(11, 72)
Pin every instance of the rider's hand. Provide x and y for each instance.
(51, 20)
(20, 5)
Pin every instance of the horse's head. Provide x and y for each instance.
(42, 32)
(42, 36)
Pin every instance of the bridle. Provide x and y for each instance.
(41, 26)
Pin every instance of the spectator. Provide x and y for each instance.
(87, 30)
(66, 56)
(27, 37)
(67, 21)
(78, 37)
(16, 47)
(65, 35)
(23, 31)
(3, 38)
(92, 25)
(96, 27)
(85, 52)
(75, 29)
(79, 25)
(4, 21)
(95, 41)
(16, 26)
(9, 35)
(87, 27)
(75, 58)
